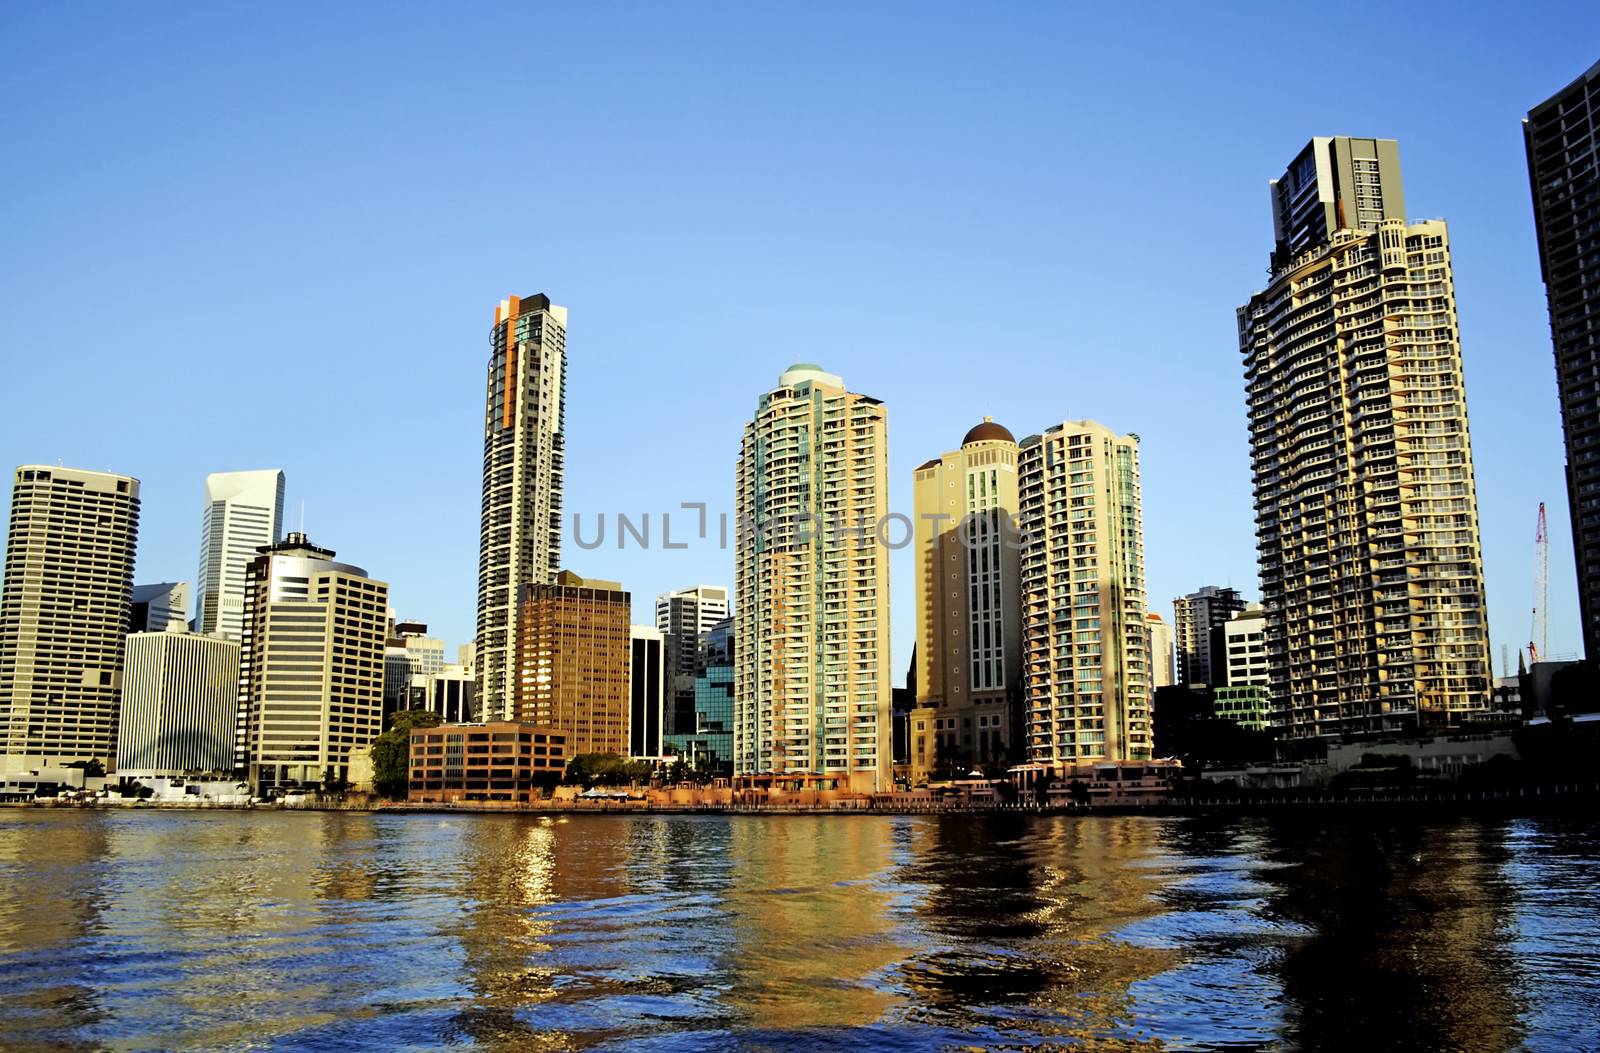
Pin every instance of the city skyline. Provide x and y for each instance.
(381, 507)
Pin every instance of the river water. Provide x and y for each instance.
(163, 930)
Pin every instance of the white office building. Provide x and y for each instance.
(243, 512)
(179, 702)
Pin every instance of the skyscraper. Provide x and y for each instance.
(1162, 665)
(1086, 642)
(1563, 141)
(180, 694)
(520, 539)
(811, 611)
(1198, 620)
(64, 614)
(243, 511)
(158, 608)
(683, 618)
(310, 667)
(572, 662)
(969, 612)
(1366, 508)
(647, 690)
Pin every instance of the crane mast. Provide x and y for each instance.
(1539, 636)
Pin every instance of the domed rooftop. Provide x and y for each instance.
(988, 431)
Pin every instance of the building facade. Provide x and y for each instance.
(243, 511)
(494, 761)
(1366, 507)
(1086, 657)
(159, 608)
(519, 543)
(64, 613)
(572, 662)
(647, 690)
(969, 610)
(1563, 142)
(706, 745)
(410, 657)
(449, 692)
(1163, 663)
(684, 617)
(180, 695)
(310, 666)
(1198, 622)
(1246, 637)
(811, 612)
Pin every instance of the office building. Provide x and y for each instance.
(243, 511)
(706, 743)
(1562, 135)
(572, 662)
(448, 692)
(409, 658)
(310, 667)
(64, 614)
(1163, 665)
(180, 694)
(1246, 705)
(1246, 639)
(520, 539)
(1086, 644)
(811, 612)
(684, 617)
(159, 608)
(969, 612)
(1198, 620)
(493, 761)
(1366, 508)
(647, 690)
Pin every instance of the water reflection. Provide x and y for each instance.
(203, 931)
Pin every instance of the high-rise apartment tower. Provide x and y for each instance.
(811, 611)
(1366, 508)
(1563, 141)
(520, 540)
(1086, 642)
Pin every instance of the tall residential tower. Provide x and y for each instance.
(969, 613)
(243, 511)
(1086, 638)
(1563, 141)
(64, 614)
(1198, 621)
(520, 537)
(1366, 508)
(811, 612)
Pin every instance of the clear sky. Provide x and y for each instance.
(245, 236)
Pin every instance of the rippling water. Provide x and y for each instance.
(337, 931)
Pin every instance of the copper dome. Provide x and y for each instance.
(988, 431)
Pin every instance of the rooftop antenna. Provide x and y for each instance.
(302, 516)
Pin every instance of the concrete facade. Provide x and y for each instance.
(64, 614)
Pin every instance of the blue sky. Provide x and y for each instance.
(243, 236)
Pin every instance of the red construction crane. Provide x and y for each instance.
(1539, 638)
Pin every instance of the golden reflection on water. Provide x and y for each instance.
(813, 930)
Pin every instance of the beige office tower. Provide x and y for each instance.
(811, 610)
(1366, 509)
(1162, 666)
(64, 614)
(310, 666)
(969, 614)
(520, 539)
(1085, 634)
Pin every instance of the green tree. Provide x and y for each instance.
(391, 751)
